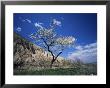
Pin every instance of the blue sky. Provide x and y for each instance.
(82, 26)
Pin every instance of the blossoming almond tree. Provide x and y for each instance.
(50, 40)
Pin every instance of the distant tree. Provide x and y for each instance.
(50, 40)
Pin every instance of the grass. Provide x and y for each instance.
(80, 70)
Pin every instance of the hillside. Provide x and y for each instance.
(27, 53)
(30, 59)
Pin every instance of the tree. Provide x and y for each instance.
(50, 40)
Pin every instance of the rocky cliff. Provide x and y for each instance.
(27, 54)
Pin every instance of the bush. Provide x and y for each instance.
(18, 63)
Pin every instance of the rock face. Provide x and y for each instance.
(28, 54)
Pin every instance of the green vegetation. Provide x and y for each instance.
(88, 69)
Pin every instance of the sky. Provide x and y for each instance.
(82, 26)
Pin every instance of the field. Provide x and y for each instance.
(87, 69)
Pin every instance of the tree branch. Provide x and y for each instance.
(51, 52)
(44, 41)
(57, 55)
(48, 48)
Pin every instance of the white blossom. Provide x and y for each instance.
(65, 40)
(49, 38)
(32, 36)
(46, 32)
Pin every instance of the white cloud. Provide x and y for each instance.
(25, 20)
(18, 29)
(92, 45)
(87, 53)
(39, 25)
(56, 22)
(29, 21)
(79, 47)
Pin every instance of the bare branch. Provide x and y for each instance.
(48, 47)
(57, 55)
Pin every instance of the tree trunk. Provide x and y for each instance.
(51, 64)
(53, 60)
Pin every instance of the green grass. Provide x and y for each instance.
(59, 71)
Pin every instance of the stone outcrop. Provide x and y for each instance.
(28, 54)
